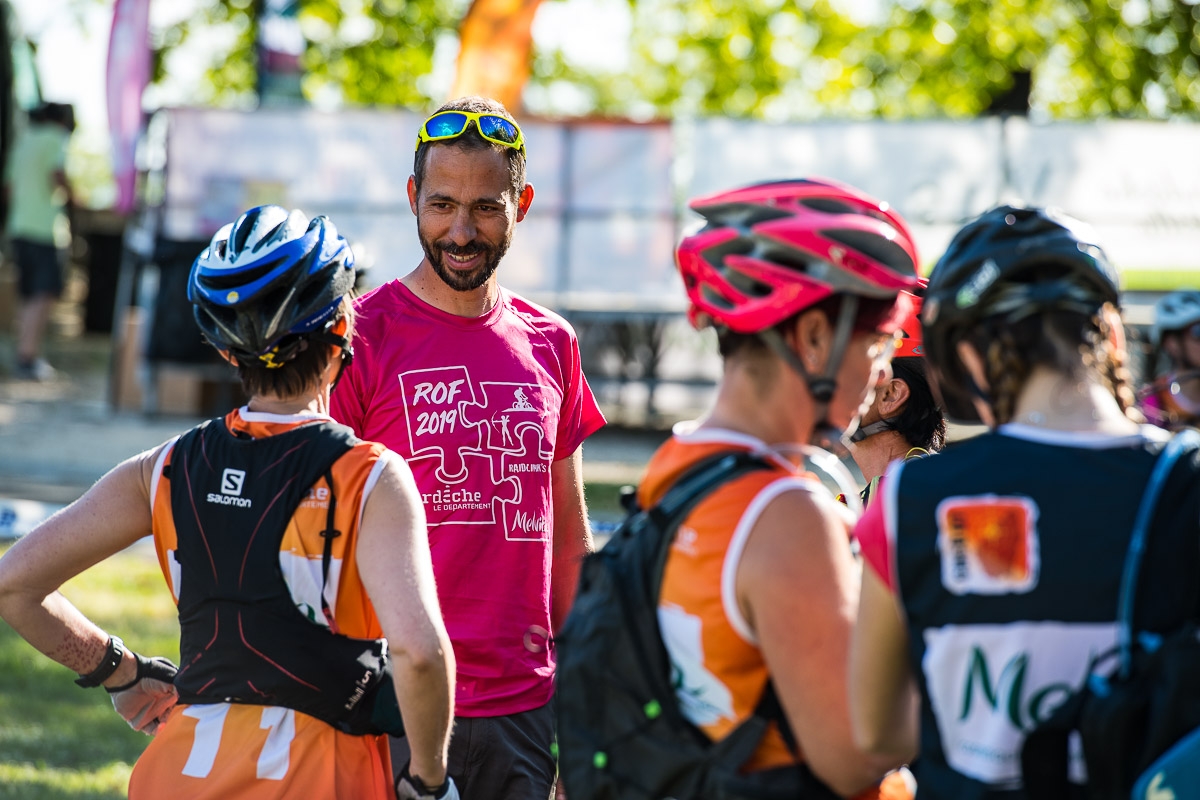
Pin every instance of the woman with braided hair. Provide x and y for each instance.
(992, 571)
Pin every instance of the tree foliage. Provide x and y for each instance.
(799, 59)
(771, 59)
(370, 52)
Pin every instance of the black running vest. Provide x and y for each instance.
(242, 638)
(1008, 562)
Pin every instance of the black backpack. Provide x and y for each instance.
(1140, 725)
(621, 733)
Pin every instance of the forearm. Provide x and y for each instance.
(425, 692)
(54, 627)
(884, 696)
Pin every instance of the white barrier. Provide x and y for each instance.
(610, 197)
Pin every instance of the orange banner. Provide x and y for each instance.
(496, 39)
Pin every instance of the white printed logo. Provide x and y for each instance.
(232, 481)
(990, 685)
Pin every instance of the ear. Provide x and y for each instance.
(891, 397)
(412, 194)
(811, 338)
(524, 200)
(1116, 328)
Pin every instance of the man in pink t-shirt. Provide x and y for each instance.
(482, 392)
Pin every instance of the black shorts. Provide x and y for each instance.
(39, 271)
(499, 758)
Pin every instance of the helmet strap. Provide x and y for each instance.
(866, 431)
(820, 387)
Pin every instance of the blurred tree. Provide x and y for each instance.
(360, 52)
(771, 59)
(799, 59)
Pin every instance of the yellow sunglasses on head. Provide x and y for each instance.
(451, 124)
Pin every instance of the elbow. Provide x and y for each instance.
(430, 655)
(882, 749)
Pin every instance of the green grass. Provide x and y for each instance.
(603, 500)
(61, 742)
(56, 739)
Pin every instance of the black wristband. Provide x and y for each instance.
(422, 789)
(108, 665)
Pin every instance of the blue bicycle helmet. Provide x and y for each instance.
(270, 275)
(1008, 263)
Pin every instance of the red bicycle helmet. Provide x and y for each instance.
(771, 250)
(911, 345)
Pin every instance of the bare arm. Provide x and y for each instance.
(111, 516)
(797, 587)
(572, 536)
(397, 571)
(884, 697)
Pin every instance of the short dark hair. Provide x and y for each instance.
(871, 314)
(921, 421)
(471, 140)
(302, 372)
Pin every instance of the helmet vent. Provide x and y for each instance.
(828, 206)
(876, 247)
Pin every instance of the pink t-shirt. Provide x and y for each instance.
(480, 408)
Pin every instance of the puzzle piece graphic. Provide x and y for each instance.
(495, 429)
(433, 399)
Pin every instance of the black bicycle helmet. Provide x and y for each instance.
(1009, 262)
(270, 275)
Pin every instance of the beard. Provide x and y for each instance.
(458, 280)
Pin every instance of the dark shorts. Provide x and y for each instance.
(505, 758)
(39, 271)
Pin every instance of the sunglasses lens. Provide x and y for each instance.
(1194, 331)
(446, 125)
(498, 128)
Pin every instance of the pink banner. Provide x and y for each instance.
(128, 74)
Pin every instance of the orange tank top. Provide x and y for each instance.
(719, 669)
(225, 751)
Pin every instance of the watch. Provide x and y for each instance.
(108, 665)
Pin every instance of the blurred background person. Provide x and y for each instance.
(37, 193)
(992, 571)
(1172, 398)
(905, 420)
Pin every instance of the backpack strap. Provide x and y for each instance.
(1181, 443)
(687, 492)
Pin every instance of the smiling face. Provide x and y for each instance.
(466, 211)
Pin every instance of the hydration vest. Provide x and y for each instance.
(242, 638)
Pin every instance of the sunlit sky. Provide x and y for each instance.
(72, 42)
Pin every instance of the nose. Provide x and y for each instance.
(462, 227)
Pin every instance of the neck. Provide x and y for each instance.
(1056, 401)
(873, 454)
(774, 408)
(425, 283)
(274, 404)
